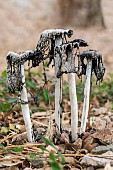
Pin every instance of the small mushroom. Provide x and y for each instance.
(16, 82)
(58, 35)
(73, 97)
(94, 64)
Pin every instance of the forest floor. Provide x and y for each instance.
(92, 150)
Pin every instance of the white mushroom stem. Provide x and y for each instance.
(58, 87)
(86, 97)
(73, 99)
(57, 34)
(25, 108)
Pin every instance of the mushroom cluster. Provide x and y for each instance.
(53, 45)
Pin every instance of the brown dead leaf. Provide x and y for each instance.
(10, 168)
(47, 168)
(41, 121)
(95, 100)
(37, 124)
(8, 162)
(94, 161)
(85, 135)
(98, 123)
(8, 137)
(51, 149)
(66, 104)
(77, 144)
(42, 105)
(92, 168)
(99, 111)
(8, 117)
(104, 136)
(65, 137)
(70, 160)
(1, 116)
(89, 147)
(75, 168)
(20, 127)
(87, 143)
(19, 139)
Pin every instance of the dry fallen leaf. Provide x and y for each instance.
(94, 161)
(4, 129)
(8, 162)
(104, 136)
(70, 160)
(51, 149)
(19, 139)
(1, 116)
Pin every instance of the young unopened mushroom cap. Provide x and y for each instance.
(53, 32)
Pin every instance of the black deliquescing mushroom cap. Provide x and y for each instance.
(46, 49)
(97, 63)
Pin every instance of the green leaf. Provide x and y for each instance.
(5, 89)
(1, 145)
(12, 100)
(40, 74)
(5, 149)
(46, 64)
(4, 73)
(46, 95)
(18, 149)
(43, 148)
(30, 84)
(1, 94)
(40, 153)
(41, 109)
(61, 158)
(48, 142)
(34, 157)
(4, 107)
(52, 157)
(112, 106)
(55, 166)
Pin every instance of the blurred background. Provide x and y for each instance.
(22, 21)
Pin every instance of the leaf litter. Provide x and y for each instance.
(92, 149)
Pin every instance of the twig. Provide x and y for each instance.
(8, 137)
(47, 156)
(90, 155)
(25, 145)
(12, 158)
(39, 123)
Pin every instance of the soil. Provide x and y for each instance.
(22, 21)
